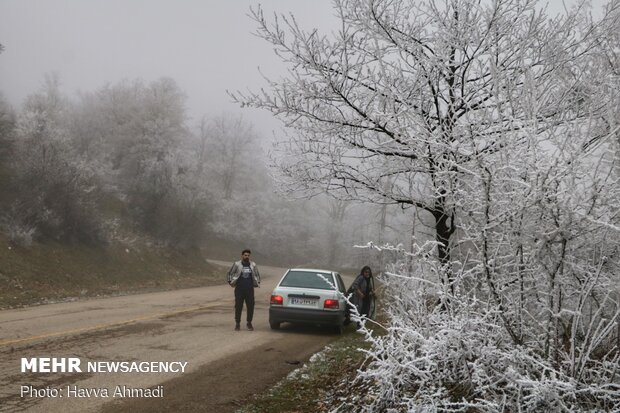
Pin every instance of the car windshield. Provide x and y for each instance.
(307, 279)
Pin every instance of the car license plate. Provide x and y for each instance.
(303, 301)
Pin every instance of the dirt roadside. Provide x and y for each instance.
(227, 384)
(225, 368)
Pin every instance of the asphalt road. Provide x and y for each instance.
(192, 325)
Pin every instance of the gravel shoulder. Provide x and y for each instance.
(227, 384)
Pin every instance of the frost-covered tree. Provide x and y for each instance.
(55, 194)
(132, 135)
(495, 120)
(230, 166)
(7, 129)
(607, 61)
(229, 148)
(412, 94)
(7, 141)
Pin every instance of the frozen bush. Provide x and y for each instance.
(443, 352)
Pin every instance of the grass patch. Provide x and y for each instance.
(318, 386)
(49, 272)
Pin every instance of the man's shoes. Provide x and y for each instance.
(237, 327)
(250, 326)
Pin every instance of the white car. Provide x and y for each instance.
(308, 296)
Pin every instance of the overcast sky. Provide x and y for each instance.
(206, 46)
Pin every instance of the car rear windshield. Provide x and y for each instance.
(307, 279)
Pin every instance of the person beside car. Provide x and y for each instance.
(244, 277)
(362, 290)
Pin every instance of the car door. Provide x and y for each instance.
(342, 289)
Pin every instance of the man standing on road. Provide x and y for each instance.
(244, 276)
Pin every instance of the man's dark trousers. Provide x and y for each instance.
(241, 295)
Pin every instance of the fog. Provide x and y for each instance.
(89, 75)
(96, 51)
(207, 47)
(420, 133)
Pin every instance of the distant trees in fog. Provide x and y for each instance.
(54, 195)
(125, 160)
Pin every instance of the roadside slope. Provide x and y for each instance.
(50, 272)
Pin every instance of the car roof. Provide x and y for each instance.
(311, 270)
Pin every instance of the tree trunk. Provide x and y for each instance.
(444, 228)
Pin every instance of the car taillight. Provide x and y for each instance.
(331, 304)
(277, 299)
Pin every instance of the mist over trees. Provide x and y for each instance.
(498, 124)
(124, 163)
(487, 132)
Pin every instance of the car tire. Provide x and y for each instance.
(338, 329)
(275, 325)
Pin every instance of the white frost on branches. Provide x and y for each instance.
(499, 125)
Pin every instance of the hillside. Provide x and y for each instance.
(48, 272)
